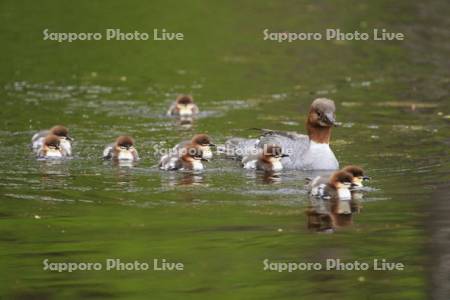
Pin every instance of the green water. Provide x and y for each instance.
(392, 98)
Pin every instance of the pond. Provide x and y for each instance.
(224, 222)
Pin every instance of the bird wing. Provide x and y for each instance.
(107, 152)
(291, 143)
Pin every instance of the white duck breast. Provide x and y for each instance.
(53, 153)
(197, 165)
(277, 165)
(318, 156)
(186, 110)
(344, 194)
(125, 155)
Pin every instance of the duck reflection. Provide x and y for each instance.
(185, 122)
(269, 177)
(122, 171)
(335, 199)
(185, 179)
(123, 165)
(327, 215)
(54, 171)
(265, 177)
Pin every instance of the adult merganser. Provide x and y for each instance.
(337, 187)
(190, 159)
(306, 152)
(37, 141)
(184, 106)
(122, 150)
(269, 159)
(51, 148)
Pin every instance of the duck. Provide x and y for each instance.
(37, 141)
(121, 150)
(183, 106)
(202, 141)
(51, 148)
(269, 159)
(306, 152)
(337, 187)
(190, 158)
(357, 172)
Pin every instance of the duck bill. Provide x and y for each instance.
(284, 155)
(331, 120)
(357, 182)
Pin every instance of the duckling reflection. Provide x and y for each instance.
(54, 173)
(124, 163)
(185, 122)
(270, 177)
(327, 215)
(122, 175)
(186, 179)
(331, 203)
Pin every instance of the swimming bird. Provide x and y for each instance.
(122, 150)
(51, 148)
(306, 152)
(37, 141)
(201, 141)
(356, 171)
(183, 106)
(337, 187)
(190, 158)
(269, 159)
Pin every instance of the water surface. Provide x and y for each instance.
(392, 98)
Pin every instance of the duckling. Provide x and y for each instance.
(51, 148)
(190, 159)
(337, 187)
(122, 149)
(183, 106)
(201, 141)
(268, 160)
(37, 141)
(356, 171)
